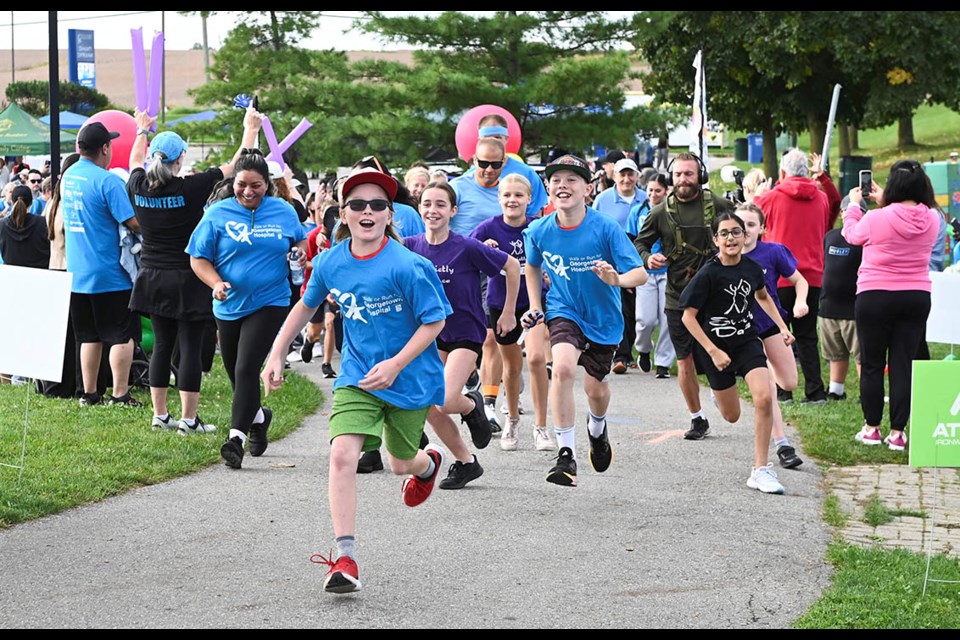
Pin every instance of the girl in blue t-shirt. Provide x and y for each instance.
(777, 262)
(239, 249)
(460, 263)
(506, 234)
(390, 371)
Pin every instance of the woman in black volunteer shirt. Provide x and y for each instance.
(178, 303)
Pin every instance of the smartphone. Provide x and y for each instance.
(866, 183)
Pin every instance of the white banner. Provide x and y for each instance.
(34, 308)
(943, 325)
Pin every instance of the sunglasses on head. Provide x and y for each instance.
(485, 164)
(375, 205)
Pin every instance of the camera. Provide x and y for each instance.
(730, 173)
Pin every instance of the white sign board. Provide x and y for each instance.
(34, 308)
(943, 325)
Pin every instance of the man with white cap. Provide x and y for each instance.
(617, 203)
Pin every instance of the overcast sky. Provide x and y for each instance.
(111, 29)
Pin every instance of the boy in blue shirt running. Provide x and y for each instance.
(588, 257)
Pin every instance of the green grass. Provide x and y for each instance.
(875, 513)
(833, 515)
(881, 589)
(75, 456)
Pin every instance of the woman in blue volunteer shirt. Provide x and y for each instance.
(240, 250)
(166, 289)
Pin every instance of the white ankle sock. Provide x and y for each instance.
(236, 433)
(259, 417)
(566, 437)
(596, 425)
(837, 388)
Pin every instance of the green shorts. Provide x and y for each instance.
(356, 412)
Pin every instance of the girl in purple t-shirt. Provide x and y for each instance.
(460, 262)
(506, 233)
(777, 262)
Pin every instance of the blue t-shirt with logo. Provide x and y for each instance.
(249, 250)
(576, 292)
(384, 298)
(94, 203)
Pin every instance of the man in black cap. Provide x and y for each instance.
(604, 177)
(94, 204)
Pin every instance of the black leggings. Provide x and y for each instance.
(244, 345)
(168, 332)
(807, 344)
(890, 326)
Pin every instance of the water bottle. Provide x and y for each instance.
(296, 271)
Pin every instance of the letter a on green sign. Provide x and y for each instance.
(935, 414)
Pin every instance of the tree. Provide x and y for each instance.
(558, 72)
(34, 97)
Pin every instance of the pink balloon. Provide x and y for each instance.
(124, 124)
(467, 135)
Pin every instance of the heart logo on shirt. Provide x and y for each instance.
(239, 232)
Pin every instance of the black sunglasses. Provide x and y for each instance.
(36, 181)
(495, 164)
(375, 205)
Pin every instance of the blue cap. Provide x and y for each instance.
(169, 144)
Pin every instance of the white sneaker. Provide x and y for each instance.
(159, 424)
(199, 427)
(510, 437)
(765, 479)
(490, 410)
(294, 356)
(543, 439)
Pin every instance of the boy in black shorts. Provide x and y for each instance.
(717, 308)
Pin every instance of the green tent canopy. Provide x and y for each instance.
(22, 134)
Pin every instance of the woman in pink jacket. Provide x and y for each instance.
(893, 291)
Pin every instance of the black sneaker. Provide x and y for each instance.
(784, 397)
(564, 472)
(473, 382)
(232, 452)
(788, 457)
(549, 371)
(644, 362)
(424, 440)
(370, 461)
(477, 421)
(306, 351)
(699, 427)
(601, 453)
(126, 400)
(663, 373)
(90, 399)
(460, 474)
(837, 396)
(816, 401)
(327, 370)
(257, 440)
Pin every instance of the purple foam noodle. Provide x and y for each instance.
(291, 138)
(271, 137)
(139, 68)
(156, 75)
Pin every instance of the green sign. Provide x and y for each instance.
(935, 414)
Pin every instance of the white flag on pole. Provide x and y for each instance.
(698, 126)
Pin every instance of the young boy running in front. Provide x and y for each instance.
(506, 233)
(459, 262)
(390, 370)
(588, 256)
(717, 307)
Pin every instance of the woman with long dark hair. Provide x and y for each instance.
(23, 236)
(240, 250)
(893, 291)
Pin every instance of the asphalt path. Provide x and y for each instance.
(670, 536)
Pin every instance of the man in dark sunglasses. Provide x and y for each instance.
(477, 192)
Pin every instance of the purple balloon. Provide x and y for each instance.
(139, 68)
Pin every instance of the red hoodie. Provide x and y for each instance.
(799, 214)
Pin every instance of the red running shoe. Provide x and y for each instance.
(416, 491)
(343, 576)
